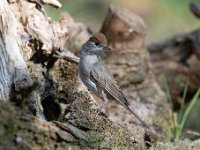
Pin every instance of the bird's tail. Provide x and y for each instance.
(142, 122)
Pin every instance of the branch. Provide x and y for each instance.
(68, 56)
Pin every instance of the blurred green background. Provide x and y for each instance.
(164, 18)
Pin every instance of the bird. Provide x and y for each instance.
(97, 77)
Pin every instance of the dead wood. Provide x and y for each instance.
(15, 78)
(179, 56)
(68, 56)
(123, 28)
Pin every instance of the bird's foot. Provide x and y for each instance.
(102, 113)
(101, 110)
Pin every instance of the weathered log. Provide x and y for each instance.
(124, 27)
(82, 128)
(179, 56)
(179, 47)
(14, 75)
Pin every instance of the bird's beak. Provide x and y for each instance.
(106, 48)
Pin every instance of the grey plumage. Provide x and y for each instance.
(96, 76)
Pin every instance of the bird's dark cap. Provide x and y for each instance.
(98, 38)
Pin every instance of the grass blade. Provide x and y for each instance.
(180, 115)
(188, 109)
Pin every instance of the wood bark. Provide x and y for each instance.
(14, 73)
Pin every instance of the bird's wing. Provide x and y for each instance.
(101, 74)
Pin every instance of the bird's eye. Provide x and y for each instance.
(96, 43)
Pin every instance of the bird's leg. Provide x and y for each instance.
(103, 104)
(105, 101)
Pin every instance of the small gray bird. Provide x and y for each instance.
(96, 76)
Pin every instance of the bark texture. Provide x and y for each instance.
(14, 75)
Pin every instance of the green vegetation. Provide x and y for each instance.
(164, 18)
(10, 129)
(179, 118)
(90, 12)
(170, 17)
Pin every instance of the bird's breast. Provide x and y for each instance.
(86, 64)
